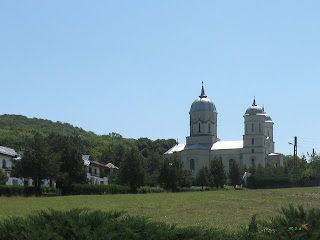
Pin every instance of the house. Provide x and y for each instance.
(97, 173)
(7, 158)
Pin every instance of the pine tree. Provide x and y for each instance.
(132, 170)
(234, 174)
(203, 177)
(218, 173)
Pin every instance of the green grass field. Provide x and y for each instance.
(224, 208)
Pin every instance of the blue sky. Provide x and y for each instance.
(135, 67)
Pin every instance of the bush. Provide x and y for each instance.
(293, 223)
(85, 224)
(8, 190)
(269, 181)
(147, 189)
(90, 189)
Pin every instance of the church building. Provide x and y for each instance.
(203, 144)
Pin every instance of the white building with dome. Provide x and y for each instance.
(203, 144)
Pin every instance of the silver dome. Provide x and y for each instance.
(203, 103)
(254, 109)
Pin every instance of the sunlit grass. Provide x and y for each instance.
(227, 209)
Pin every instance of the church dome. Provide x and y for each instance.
(254, 109)
(268, 118)
(203, 103)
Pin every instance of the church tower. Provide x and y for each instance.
(254, 138)
(203, 121)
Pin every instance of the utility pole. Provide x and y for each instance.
(295, 154)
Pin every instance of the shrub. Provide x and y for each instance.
(85, 224)
(7, 190)
(147, 189)
(293, 223)
(269, 181)
(90, 189)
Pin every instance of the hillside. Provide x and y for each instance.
(16, 129)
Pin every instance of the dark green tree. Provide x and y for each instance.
(218, 172)
(36, 162)
(260, 169)
(132, 170)
(234, 174)
(172, 174)
(69, 165)
(3, 177)
(202, 177)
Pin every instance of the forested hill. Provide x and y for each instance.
(16, 129)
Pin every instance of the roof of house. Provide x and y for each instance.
(87, 161)
(110, 165)
(8, 151)
(221, 145)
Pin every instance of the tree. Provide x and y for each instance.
(203, 177)
(3, 177)
(218, 172)
(234, 174)
(172, 174)
(132, 170)
(69, 165)
(36, 162)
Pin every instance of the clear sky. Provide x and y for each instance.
(135, 67)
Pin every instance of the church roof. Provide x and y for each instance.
(227, 145)
(221, 145)
(203, 103)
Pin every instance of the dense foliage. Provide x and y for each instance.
(10, 191)
(84, 224)
(294, 223)
(54, 157)
(172, 174)
(88, 189)
(132, 170)
(3, 177)
(218, 172)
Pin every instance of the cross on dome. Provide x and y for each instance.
(203, 95)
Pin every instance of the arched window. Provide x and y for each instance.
(230, 163)
(199, 127)
(252, 150)
(252, 141)
(252, 161)
(209, 130)
(4, 164)
(192, 165)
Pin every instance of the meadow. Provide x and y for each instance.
(228, 209)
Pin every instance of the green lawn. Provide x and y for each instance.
(224, 208)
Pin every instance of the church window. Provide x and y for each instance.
(192, 164)
(252, 141)
(4, 164)
(252, 161)
(252, 150)
(230, 163)
(199, 127)
(252, 127)
(209, 130)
